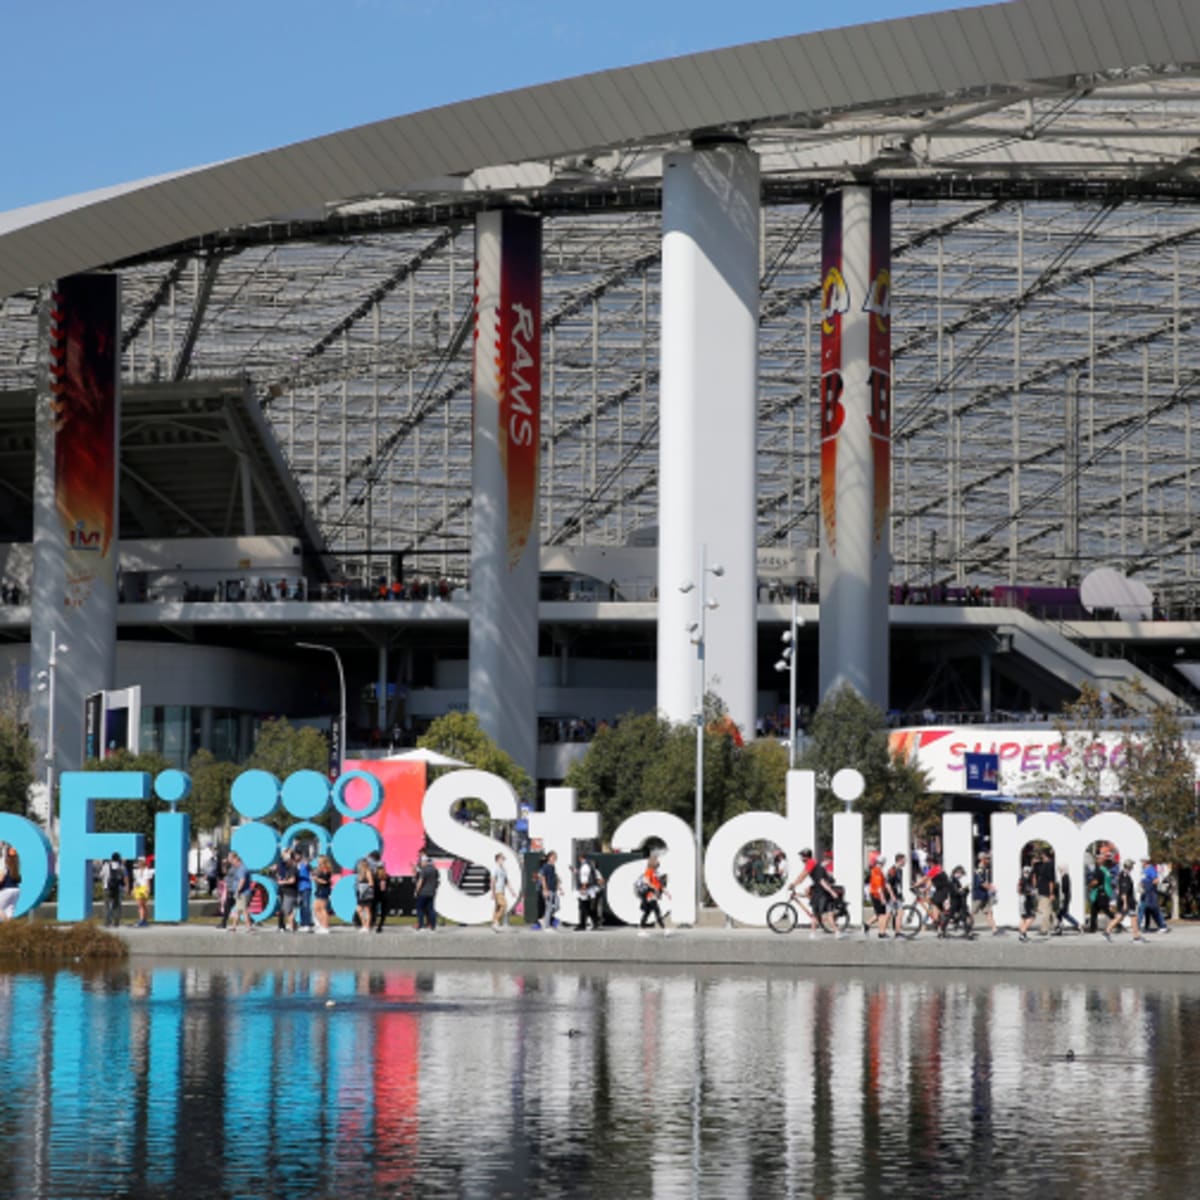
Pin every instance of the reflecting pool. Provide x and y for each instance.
(311, 1083)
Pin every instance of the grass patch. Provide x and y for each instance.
(41, 942)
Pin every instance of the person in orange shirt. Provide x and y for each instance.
(877, 889)
(650, 888)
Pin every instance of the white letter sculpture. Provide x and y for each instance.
(455, 838)
(560, 827)
(792, 833)
(677, 862)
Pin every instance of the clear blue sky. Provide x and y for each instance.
(95, 92)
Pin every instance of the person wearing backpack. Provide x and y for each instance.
(1100, 892)
(650, 888)
(114, 889)
(588, 881)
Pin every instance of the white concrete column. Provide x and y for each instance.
(707, 421)
(504, 480)
(856, 429)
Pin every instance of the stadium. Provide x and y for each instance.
(298, 450)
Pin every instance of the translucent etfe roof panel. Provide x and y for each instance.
(1046, 269)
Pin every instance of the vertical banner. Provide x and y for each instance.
(335, 748)
(75, 506)
(856, 432)
(506, 450)
(93, 726)
(835, 302)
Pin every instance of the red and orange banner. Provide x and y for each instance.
(84, 355)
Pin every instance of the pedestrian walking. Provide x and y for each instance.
(1149, 909)
(588, 882)
(1027, 891)
(114, 882)
(143, 876)
(895, 887)
(651, 887)
(550, 889)
(1064, 903)
(501, 890)
(1047, 890)
(1100, 894)
(238, 883)
(426, 888)
(288, 883)
(877, 890)
(379, 896)
(983, 892)
(322, 880)
(1127, 901)
(304, 891)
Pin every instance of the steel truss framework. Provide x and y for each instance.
(1046, 296)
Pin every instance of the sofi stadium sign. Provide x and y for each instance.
(307, 797)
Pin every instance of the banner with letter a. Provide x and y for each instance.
(75, 504)
(506, 456)
(856, 441)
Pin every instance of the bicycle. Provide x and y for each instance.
(916, 915)
(784, 915)
(959, 921)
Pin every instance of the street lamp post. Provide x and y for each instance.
(342, 692)
(46, 684)
(787, 662)
(698, 630)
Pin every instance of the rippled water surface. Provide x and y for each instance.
(311, 1083)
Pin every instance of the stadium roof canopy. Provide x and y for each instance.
(1044, 157)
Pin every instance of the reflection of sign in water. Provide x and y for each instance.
(983, 772)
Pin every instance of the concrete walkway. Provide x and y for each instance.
(1176, 953)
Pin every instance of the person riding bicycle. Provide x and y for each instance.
(940, 892)
(822, 895)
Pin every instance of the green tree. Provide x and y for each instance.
(1077, 775)
(1157, 778)
(133, 816)
(212, 780)
(848, 731)
(458, 735)
(645, 762)
(16, 764)
(642, 762)
(283, 748)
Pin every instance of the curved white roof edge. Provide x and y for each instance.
(956, 53)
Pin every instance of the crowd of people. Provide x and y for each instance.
(1119, 894)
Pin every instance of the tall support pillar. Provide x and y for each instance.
(707, 425)
(856, 442)
(504, 480)
(74, 623)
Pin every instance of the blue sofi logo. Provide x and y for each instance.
(305, 797)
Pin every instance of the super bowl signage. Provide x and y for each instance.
(307, 796)
(1029, 761)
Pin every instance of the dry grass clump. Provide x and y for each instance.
(39, 941)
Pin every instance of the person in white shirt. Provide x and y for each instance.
(501, 889)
